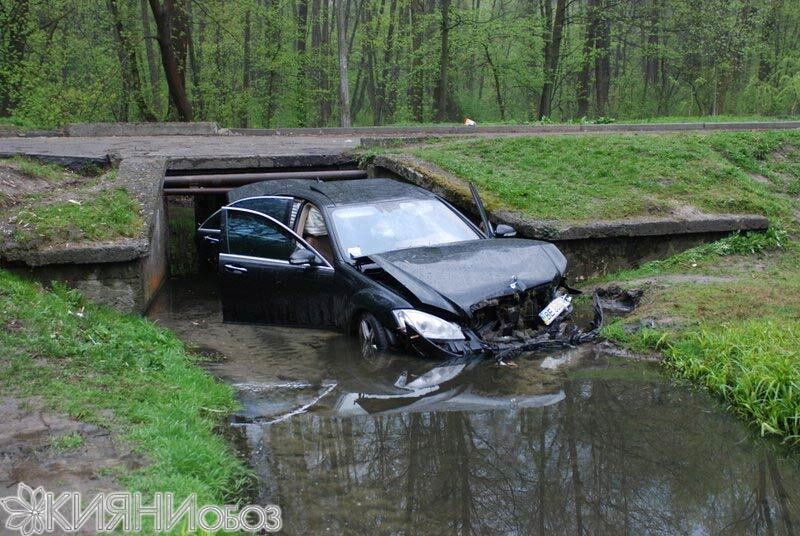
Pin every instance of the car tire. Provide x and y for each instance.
(371, 334)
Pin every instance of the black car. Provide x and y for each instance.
(389, 262)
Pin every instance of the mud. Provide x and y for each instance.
(44, 448)
(584, 440)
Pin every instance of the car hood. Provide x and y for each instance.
(456, 276)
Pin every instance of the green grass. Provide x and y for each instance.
(110, 214)
(705, 258)
(67, 442)
(86, 360)
(37, 168)
(582, 178)
(753, 364)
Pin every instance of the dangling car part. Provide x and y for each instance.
(391, 263)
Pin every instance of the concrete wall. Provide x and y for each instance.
(93, 130)
(124, 273)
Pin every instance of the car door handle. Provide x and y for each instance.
(211, 239)
(234, 269)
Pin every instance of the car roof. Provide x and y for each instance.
(333, 192)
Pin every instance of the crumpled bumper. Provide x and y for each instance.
(560, 334)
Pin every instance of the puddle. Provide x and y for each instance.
(566, 442)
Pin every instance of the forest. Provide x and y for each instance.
(294, 63)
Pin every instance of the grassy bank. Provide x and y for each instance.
(727, 316)
(724, 315)
(619, 176)
(123, 373)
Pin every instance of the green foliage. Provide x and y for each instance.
(587, 177)
(88, 360)
(110, 214)
(60, 61)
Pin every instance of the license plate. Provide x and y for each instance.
(554, 309)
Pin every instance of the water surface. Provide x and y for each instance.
(565, 443)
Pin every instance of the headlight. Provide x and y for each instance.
(429, 326)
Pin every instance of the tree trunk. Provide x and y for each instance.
(498, 93)
(14, 26)
(246, 61)
(385, 106)
(442, 85)
(174, 68)
(586, 70)
(152, 64)
(129, 64)
(301, 100)
(325, 107)
(552, 50)
(417, 78)
(652, 54)
(344, 88)
(602, 63)
(194, 65)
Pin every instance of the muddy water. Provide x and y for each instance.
(565, 443)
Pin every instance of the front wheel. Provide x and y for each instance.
(371, 334)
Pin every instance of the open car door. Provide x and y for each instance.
(270, 275)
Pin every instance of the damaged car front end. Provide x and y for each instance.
(500, 298)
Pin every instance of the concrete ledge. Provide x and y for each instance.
(75, 163)
(259, 162)
(142, 178)
(449, 130)
(92, 130)
(456, 190)
(21, 133)
(92, 253)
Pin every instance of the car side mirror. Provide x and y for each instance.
(303, 257)
(504, 231)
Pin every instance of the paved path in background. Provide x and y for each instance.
(328, 142)
(178, 146)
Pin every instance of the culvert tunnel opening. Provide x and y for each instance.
(191, 196)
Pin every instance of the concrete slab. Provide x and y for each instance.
(199, 128)
(179, 147)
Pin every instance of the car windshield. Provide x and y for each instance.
(391, 225)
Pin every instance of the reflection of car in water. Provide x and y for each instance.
(442, 388)
(389, 262)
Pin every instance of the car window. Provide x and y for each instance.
(398, 224)
(255, 236)
(279, 208)
(213, 223)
